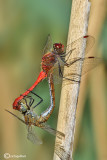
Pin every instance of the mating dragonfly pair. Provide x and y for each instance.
(54, 60)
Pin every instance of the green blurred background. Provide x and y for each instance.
(24, 26)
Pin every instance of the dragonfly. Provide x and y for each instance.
(31, 119)
(45, 115)
(55, 59)
(26, 106)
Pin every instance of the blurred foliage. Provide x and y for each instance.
(24, 26)
(86, 146)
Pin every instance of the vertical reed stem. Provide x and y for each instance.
(69, 94)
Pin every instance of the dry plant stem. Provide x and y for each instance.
(80, 109)
(94, 28)
(69, 94)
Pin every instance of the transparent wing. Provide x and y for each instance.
(52, 131)
(31, 132)
(60, 151)
(88, 63)
(31, 135)
(76, 46)
(48, 46)
(72, 73)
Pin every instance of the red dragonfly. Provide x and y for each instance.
(25, 107)
(55, 58)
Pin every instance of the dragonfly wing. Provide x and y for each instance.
(76, 46)
(88, 63)
(32, 136)
(60, 151)
(52, 131)
(48, 46)
(55, 70)
(72, 74)
(59, 74)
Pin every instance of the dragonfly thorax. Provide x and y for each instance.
(30, 117)
(48, 61)
(31, 114)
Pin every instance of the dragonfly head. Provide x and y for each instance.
(20, 106)
(58, 48)
(23, 107)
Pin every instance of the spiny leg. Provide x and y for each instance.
(61, 74)
(31, 100)
(41, 100)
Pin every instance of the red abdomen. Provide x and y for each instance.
(48, 61)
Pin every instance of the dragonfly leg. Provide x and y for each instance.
(61, 74)
(26, 101)
(63, 60)
(68, 64)
(31, 100)
(41, 100)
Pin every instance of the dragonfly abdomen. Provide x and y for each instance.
(47, 113)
